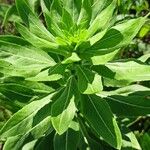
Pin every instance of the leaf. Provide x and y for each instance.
(115, 83)
(32, 21)
(88, 82)
(68, 141)
(102, 19)
(104, 58)
(35, 133)
(39, 42)
(144, 58)
(59, 68)
(130, 71)
(98, 6)
(132, 105)
(125, 91)
(14, 40)
(145, 141)
(73, 58)
(16, 91)
(123, 32)
(103, 71)
(85, 14)
(111, 39)
(52, 12)
(133, 143)
(23, 58)
(25, 119)
(100, 118)
(129, 29)
(38, 89)
(30, 145)
(44, 76)
(63, 109)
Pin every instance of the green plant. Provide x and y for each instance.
(60, 75)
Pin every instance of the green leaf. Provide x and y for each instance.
(115, 83)
(100, 118)
(129, 29)
(44, 76)
(102, 19)
(103, 71)
(73, 58)
(23, 58)
(88, 82)
(125, 91)
(30, 145)
(14, 40)
(68, 141)
(145, 141)
(63, 109)
(52, 12)
(133, 143)
(103, 58)
(117, 36)
(16, 91)
(35, 133)
(26, 118)
(57, 69)
(132, 105)
(37, 89)
(130, 71)
(144, 58)
(32, 21)
(111, 39)
(40, 42)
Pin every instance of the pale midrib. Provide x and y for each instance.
(34, 111)
(66, 144)
(87, 79)
(50, 35)
(133, 105)
(67, 98)
(51, 72)
(101, 117)
(17, 92)
(29, 58)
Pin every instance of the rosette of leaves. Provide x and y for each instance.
(61, 67)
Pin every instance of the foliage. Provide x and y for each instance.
(57, 73)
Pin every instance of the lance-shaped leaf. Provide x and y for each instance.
(26, 118)
(24, 87)
(14, 40)
(103, 58)
(125, 91)
(98, 6)
(129, 29)
(68, 140)
(63, 109)
(52, 12)
(40, 42)
(88, 81)
(36, 132)
(32, 21)
(16, 91)
(29, 60)
(44, 76)
(100, 118)
(123, 32)
(132, 105)
(102, 19)
(130, 71)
